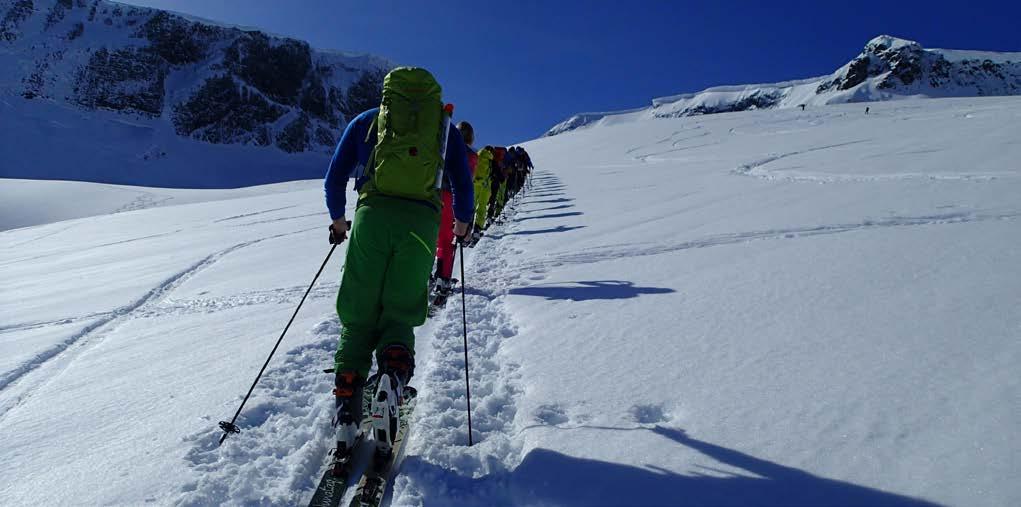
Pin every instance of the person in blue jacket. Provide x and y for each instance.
(383, 294)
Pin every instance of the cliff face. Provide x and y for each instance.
(206, 82)
(898, 66)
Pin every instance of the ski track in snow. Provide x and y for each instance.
(39, 237)
(675, 145)
(613, 252)
(18, 385)
(672, 139)
(271, 220)
(93, 247)
(279, 296)
(25, 326)
(440, 429)
(285, 436)
(757, 169)
(143, 200)
(246, 215)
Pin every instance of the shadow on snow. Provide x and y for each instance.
(548, 201)
(549, 208)
(559, 228)
(546, 477)
(586, 291)
(551, 215)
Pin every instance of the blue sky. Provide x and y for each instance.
(515, 68)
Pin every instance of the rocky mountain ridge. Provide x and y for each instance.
(204, 81)
(888, 68)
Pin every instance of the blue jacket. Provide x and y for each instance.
(352, 154)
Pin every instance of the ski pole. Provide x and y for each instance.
(230, 427)
(464, 323)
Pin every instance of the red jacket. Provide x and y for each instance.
(473, 160)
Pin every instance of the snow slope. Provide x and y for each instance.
(25, 203)
(888, 68)
(759, 308)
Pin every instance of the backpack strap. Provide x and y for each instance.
(373, 129)
(370, 164)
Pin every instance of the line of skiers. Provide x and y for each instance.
(421, 186)
(499, 173)
(499, 176)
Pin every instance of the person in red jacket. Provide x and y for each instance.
(443, 284)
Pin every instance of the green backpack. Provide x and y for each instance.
(408, 158)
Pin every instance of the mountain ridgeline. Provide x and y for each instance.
(888, 68)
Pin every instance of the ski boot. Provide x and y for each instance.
(348, 418)
(443, 289)
(475, 237)
(396, 365)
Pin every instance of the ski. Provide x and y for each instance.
(373, 483)
(334, 483)
(336, 479)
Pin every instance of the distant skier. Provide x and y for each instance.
(528, 165)
(512, 172)
(482, 190)
(496, 183)
(866, 109)
(384, 290)
(445, 247)
(506, 162)
(522, 169)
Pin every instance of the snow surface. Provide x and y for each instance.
(761, 308)
(33, 202)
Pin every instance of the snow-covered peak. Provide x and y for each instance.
(887, 68)
(890, 42)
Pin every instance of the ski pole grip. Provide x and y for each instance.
(333, 237)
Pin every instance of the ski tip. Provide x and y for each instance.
(449, 109)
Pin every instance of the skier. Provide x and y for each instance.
(383, 294)
(443, 285)
(482, 189)
(501, 192)
(528, 164)
(512, 174)
(496, 183)
(520, 168)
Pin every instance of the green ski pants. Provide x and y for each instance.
(501, 199)
(384, 290)
(482, 189)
